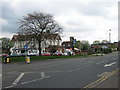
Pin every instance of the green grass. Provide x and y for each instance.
(33, 58)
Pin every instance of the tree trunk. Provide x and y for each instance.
(39, 48)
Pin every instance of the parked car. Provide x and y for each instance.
(23, 54)
(14, 55)
(66, 54)
(4, 55)
(45, 54)
(58, 54)
(33, 53)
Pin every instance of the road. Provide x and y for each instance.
(111, 82)
(60, 73)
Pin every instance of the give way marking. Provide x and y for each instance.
(18, 79)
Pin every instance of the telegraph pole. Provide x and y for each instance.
(110, 36)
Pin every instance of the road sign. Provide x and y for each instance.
(26, 46)
(74, 41)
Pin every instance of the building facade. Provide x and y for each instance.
(28, 42)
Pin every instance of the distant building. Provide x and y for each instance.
(99, 47)
(68, 44)
(28, 42)
(53, 48)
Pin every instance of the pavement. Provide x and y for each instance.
(63, 73)
(111, 82)
(108, 81)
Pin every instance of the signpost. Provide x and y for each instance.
(74, 41)
(26, 46)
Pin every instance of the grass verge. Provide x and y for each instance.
(39, 58)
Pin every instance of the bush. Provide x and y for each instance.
(107, 50)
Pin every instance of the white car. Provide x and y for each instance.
(68, 53)
(65, 54)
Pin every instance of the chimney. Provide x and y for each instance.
(71, 40)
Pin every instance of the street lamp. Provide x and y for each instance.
(109, 35)
(106, 34)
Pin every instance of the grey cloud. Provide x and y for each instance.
(9, 15)
(7, 11)
(80, 29)
(55, 8)
(10, 29)
(93, 8)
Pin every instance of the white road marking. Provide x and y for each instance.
(34, 80)
(89, 61)
(114, 58)
(42, 77)
(18, 79)
(42, 74)
(8, 87)
(101, 62)
(107, 65)
(104, 74)
(0, 75)
(78, 69)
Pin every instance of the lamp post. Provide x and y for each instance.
(109, 35)
(106, 34)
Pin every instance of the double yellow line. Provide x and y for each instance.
(91, 85)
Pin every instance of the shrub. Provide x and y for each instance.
(107, 50)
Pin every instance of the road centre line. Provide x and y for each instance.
(90, 61)
(18, 79)
(114, 58)
(101, 62)
(78, 68)
(54, 64)
(70, 70)
(105, 61)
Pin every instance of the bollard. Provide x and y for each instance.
(27, 60)
(7, 60)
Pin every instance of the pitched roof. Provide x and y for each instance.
(66, 42)
(30, 37)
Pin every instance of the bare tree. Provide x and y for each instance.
(40, 25)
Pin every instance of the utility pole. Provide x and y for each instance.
(110, 36)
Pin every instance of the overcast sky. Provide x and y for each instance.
(83, 19)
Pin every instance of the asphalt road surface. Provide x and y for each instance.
(60, 73)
